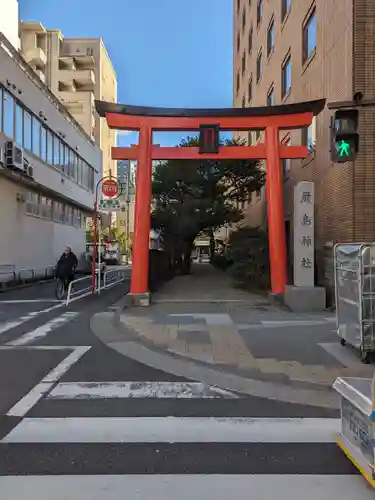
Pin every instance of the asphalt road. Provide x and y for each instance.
(78, 420)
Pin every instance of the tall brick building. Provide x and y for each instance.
(297, 50)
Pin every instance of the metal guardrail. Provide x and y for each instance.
(8, 273)
(110, 277)
(84, 291)
(113, 276)
(33, 273)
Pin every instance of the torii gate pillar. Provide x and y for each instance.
(271, 119)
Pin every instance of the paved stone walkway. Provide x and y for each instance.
(202, 317)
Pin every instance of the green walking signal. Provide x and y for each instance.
(343, 148)
(344, 136)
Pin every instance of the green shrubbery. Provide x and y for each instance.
(247, 258)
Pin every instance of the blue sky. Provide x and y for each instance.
(172, 53)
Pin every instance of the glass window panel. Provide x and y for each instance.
(43, 144)
(8, 115)
(49, 147)
(36, 136)
(56, 151)
(27, 127)
(66, 159)
(19, 125)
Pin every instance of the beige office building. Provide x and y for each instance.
(289, 51)
(78, 71)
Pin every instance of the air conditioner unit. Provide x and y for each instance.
(2, 162)
(13, 156)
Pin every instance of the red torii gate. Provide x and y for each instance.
(271, 119)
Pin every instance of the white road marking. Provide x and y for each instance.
(44, 330)
(9, 325)
(27, 402)
(185, 487)
(108, 390)
(31, 301)
(173, 430)
(38, 347)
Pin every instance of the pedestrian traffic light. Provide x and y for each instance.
(344, 136)
(209, 139)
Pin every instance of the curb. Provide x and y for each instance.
(106, 326)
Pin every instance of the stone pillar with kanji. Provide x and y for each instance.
(304, 295)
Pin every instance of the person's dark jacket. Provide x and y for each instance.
(66, 265)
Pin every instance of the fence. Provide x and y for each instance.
(104, 280)
(10, 276)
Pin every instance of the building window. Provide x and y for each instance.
(29, 132)
(238, 5)
(285, 8)
(270, 38)
(243, 19)
(250, 138)
(36, 136)
(309, 36)
(243, 101)
(43, 144)
(259, 66)
(19, 125)
(56, 152)
(271, 96)
(8, 108)
(243, 63)
(238, 82)
(259, 136)
(49, 147)
(259, 11)
(238, 42)
(309, 136)
(250, 41)
(286, 79)
(250, 89)
(286, 162)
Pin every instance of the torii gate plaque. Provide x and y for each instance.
(146, 120)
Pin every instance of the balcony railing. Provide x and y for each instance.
(84, 79)
(35, 56)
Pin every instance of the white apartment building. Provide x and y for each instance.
(9, 21)
(77, 71)
(48, 169)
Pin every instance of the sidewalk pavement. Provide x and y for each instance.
(200, 326)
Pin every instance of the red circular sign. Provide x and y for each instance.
(110, 188)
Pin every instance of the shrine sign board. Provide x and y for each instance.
(209, 139)
(304, 202)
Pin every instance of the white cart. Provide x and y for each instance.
(358, 423)
(354, 269)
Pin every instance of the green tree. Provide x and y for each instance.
(193, 197)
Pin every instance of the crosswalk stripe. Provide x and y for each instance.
(173, 430)
(112, 390)
(43, 330)
(25, 404)
(184, 487)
